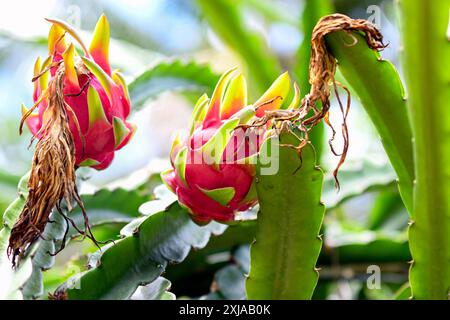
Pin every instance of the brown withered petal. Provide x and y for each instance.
(315, 106)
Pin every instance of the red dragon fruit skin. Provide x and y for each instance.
(216, 185)
(97, 101)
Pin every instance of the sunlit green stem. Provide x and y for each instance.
(378, 86)
(427, 68)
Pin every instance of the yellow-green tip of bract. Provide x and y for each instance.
(99, 47)
(213, 112)
(100, 74)
(96, 112)
(120, 131)
(56, 40)
(69, 66)
(273, 98)
(235, 97)
(295, 103)
(70, 30)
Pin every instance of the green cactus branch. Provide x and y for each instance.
(104, 207)
(287, 242)
(162, 238)
(225, 19)
(427, 65)
(13, 279)
(378, 86)
(119, 206)
(41, 260)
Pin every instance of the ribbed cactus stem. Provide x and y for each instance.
(427, 65)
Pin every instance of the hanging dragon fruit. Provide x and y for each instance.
(212, 169)
(79, 119)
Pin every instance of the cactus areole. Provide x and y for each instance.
(79, 119)
(213, 166)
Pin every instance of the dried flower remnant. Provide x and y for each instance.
(315, 106)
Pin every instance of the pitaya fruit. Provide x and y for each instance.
(96, 99)
(212, 174)
(81, 121)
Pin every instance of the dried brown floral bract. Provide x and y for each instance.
(315, 106)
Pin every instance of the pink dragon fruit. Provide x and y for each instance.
(96, 99)
(80, 121)
(212, 174)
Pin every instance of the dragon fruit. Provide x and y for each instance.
(96, 99)
(81, 121)
(212, 173)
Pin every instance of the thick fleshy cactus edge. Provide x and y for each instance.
(96, 98)
(212, 167)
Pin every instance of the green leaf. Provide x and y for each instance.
(224, 17)
(287, 245)
(164, 237)
(427, 65)
(378, 86)
(175, 75)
